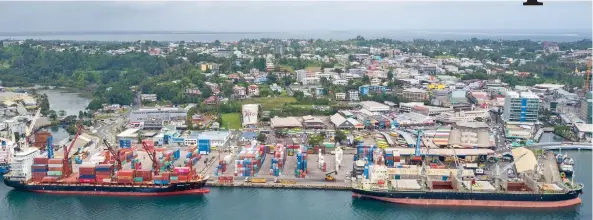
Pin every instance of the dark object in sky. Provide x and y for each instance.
(532, 2)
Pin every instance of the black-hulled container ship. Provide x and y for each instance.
(444, 187)
(34, 173)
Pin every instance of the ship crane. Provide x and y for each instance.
(25, 142)
(66, 160)
(152, 156)
(498, 171)
(113, 153)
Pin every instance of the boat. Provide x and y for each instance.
(424, 186)
(37, 173)
(6, 153)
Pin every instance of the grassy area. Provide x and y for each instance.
(231, 120)
(270, 103)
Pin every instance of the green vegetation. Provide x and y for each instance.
(565, 132)
(261, 138)
(231, 120)
(270, 103)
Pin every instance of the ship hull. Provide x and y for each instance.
(468, 199)
(190, 188)
(4, 170)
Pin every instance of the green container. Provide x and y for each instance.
(138, 179)
(173, 178)
(54, 173)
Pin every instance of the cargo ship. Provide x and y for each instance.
(35, 173)
(432, 186)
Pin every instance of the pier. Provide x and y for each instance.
(311, 185)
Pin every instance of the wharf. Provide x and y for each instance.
(310, 186)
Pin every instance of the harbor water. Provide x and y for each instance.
(249, 203)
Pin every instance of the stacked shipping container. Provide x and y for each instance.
(103, 173)
(250, 160)
(278, 159)
(39, 168)
(143, 175)
(180, 174)
(55, 168)
(365, 151)
(301, 168)
(125, 176)
(87, 174)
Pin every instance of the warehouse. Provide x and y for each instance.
(374, 106)
(250, 115)
(340, 122)
(288, 122)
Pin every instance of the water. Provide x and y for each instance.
(70, 102)
(550, 137)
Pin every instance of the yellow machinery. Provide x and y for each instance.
(329, 177)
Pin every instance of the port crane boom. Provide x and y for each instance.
(66, 161)
(152, 156)
(113, 153)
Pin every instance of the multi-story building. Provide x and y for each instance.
(166, 114)
(408, 106)
(253, 90)
(239, 92)
(149, 97)
(353, 95)
(586, 113)
(340, 82)
(193, 91)
(415, 94)
(521, 107)
(340, 96)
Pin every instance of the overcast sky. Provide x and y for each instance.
(290, 16)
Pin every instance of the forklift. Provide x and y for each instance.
(329, 177)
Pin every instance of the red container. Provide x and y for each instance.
(126, 173)
(85, 180)
(54, 161)
(128, 181)
(166, 174)
(39, 166)
(49, 179)
(40, 160)
(182, 178)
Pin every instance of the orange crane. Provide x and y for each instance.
(113, 153)
(152, 156)
(66, 161)
(588, 79)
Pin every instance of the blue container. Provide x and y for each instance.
(39, 170)
(87, 177)
(188, 155)
(397, 177)
(445, 178)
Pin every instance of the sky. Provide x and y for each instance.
(291, 16)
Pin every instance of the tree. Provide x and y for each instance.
(340, 136)
(390, 75)
(315, 140)
(140, 137)
(62, 113)
(53, 116)
(366, 79)
(44, 104)
(80, 115)
(261, 138)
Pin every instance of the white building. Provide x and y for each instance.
(340, 82)
(353, 95)
(149, 97)
(521, 107)
(166, 114)
(341, 96)
(373, 106)
(250, 115)
(408, 106)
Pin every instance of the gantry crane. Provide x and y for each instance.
(113, 153)
(66, 161)
(152, 156)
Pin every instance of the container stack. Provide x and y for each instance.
(389, 157)
(143, 175)
(250, 160)
(221, 168)
(39, 168)
(278, 160)
(55, 167)
(180, 174)
(365, 151)
(301, 169)
(126, 176)
(163, 179)
(103, 173)
(87, 174)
